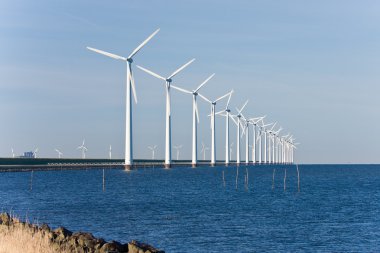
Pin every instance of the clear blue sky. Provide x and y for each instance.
(312, 66)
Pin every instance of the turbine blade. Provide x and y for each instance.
(132, 83)
(180, 89)
(242, 108)
(151, 73)
(204, 98)
(180, 69)
(117, 57)
(204, 82)
(229, 99)
(234, 120)
(220, 98)
(220, 112)
(143, 43)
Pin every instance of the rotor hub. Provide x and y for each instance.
(130, 60)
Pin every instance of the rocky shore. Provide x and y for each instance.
(63, 240)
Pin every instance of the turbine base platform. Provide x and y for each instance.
(167, 166)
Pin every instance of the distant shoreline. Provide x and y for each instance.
(29, 164)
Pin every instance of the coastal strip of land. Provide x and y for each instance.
(19, 236)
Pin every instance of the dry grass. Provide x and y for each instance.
(20, 239)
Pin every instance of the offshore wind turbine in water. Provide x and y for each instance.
(212, 124)
(168, 130)
(130, 83)
(194, 94)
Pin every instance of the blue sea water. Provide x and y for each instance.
(191, 210)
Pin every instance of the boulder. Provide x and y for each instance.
(138, 247)
(62, 233)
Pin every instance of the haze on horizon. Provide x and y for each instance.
(313, 67)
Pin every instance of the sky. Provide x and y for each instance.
(310, 66)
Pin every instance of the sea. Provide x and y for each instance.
(261, 208)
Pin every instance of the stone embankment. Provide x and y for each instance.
(63, 240)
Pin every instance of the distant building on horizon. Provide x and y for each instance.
(29, 154)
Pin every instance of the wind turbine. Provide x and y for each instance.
(168, 137)
(213, 104)
(238, 124)
(203, 150)
(13, 153)
(254, 122)
(194, 94)
(83, 149)
(177, 148)
(153, 148)
(59, 153)
(259, 139)
(246, 131)
(226, 112)
(110, 152)
(283, 147)
(35, 153)
(274, 135)
(129, 83)
(266, 141)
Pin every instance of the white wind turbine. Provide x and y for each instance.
(238, 125)
(246, 131)
(194, 94)
(283, 147)
(35, 153)
(254, 122)
(153, 149)
(259, 139)
(274, 135)
(59, 153)
(203, 150)
(266, 141)
(168, 134)
(130, 82)
(177, 148)
(213, 104)
(13, 153)
(83, 149)
(226, 113)
(110, 152)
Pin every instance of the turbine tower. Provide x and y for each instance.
(168, 137)
(130, 83)
(83, 149)
(13, 153)
(238, 124)
(226, 112)
(177, 148)
(194, 94)
(59, 153)
(213, 104)
(35, 153)
(266, 141)
(153, 148)
(110, 152)
(203, 150)
(254, 122)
